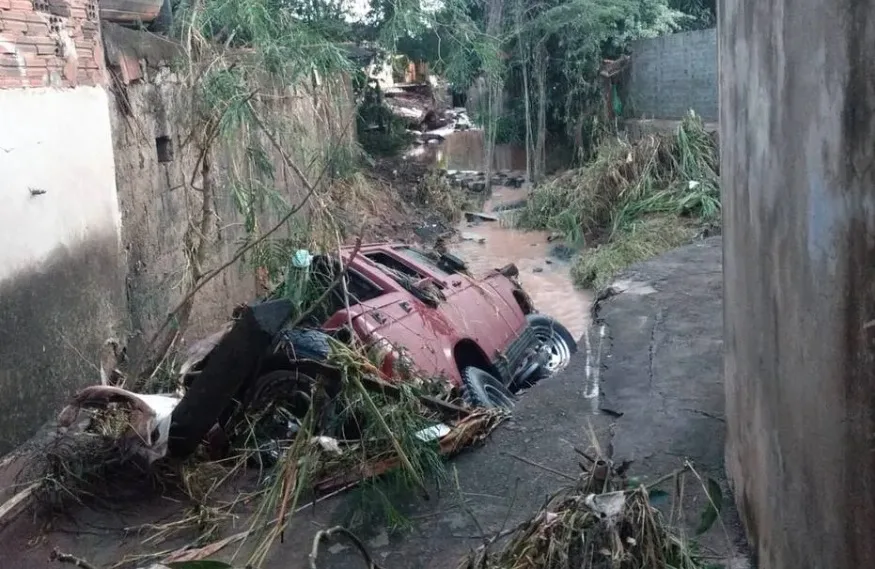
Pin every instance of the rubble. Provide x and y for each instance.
(124, 425)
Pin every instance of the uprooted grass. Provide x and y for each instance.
(615, 199)
(366, 439)
(642, 240)
(374, 432)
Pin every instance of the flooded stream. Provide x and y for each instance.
(545, 277)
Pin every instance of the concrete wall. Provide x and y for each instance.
(672, 74)
(797, 131)
(155, 193)
(61, 284)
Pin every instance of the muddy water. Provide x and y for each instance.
(547, 279)
(464, 150)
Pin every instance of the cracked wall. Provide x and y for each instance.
(797, 128)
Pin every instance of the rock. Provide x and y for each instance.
(538, 270)
(562, 252)
(473, 237)
(478, 186)
(548, 261)
(471, 216)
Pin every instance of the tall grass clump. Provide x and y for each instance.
(634, 199)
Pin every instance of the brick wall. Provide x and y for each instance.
(672, 74)
(50, 43)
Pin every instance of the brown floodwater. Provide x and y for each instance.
(464, 150)
(546, 279)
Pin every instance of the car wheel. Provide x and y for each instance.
(556, 339)
(274, 409)
(482, 389)
(306, 344)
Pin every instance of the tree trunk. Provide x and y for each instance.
(541, 79)
(524, 60)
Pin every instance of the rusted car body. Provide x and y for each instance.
(474, 322)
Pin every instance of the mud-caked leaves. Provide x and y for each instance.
(713, 506)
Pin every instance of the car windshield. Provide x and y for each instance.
(423, 259)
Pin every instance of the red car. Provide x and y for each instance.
(424, 310)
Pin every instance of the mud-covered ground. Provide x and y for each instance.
(646, 382)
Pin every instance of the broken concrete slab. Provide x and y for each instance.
(664, 368)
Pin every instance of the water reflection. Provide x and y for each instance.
(464, 150)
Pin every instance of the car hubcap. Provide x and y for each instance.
(558, 352)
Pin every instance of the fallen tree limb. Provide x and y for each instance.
(11, 506)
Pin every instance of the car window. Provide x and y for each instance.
(394, 265)
(324, 274)
(423, 259)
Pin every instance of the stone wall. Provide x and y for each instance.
(156, 163)
(797, 101)
(61, 281)
(672, 74)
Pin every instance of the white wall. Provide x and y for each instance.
(58, 141)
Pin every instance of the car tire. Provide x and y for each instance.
(482, 389)
(273, 401)
(558, 339)
(306, 344)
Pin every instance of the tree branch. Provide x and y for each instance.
(209, 276)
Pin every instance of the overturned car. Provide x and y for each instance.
(417, 313)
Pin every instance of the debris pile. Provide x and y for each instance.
(606, 520)
(324, 427)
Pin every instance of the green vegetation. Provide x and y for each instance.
(633, 200)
